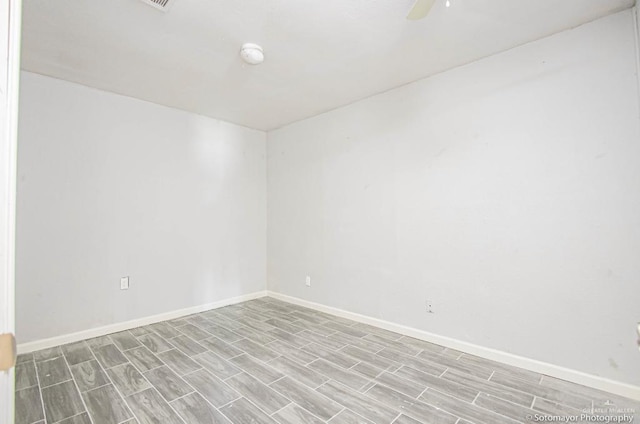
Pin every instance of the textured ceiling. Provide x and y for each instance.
(320, 54)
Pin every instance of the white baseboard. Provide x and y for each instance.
(127, 325)
(611, 386)
(574, 376)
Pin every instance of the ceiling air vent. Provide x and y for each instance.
(159, 4)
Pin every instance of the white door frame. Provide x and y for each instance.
(10, 19)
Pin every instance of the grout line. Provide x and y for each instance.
(258, 406)
(396, 418)
(344, 408)
(284, 407)
(190, 372)
(44, 412)
(68, 418)
(153, 388)
(423, 392)
(168, 403)
(77, 388)
(275, 381)
(183, 396)
(473, 402)
(226, 404)
(58, 383)
(495, 412)
(115, 387)
(96, 388)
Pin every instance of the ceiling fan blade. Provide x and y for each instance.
(420, 9)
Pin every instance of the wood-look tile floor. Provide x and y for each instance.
(267, 361)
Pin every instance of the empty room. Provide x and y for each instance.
(307, 212)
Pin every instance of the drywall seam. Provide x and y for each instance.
(127, 325)
(578, 377)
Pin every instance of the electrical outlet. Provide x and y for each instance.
(124, 283)
(307, 281)
(429, 306)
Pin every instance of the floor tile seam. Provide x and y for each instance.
(33, 359)
(231, 376)
(183, 396)
(50, 359)
(151, 387)
(501, 368)
(367, 396)
(408, 413)
(315, 390)
(75, 383)
(76, 363)
(284, 407)
(208, 402)
(367, 362)
(258, 406)
(56, 384)
(365, 418)
(425, 390)
(291, 377)
(504, 400)
(526, 407)
(382, 383)
(157, 390)
(552, 389)
(191, 372)
(507, 389)
(199, 328)
(29, 387)
(164, 339)
(369, 380)
(163, 398)
(115, 387)
(95, 388)
(344, 408)
(44, 412)
(396, 418)
(226, 404)
(73, 416)
(434, 363)
(131, 334)
(473, 404)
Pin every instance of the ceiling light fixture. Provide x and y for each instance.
(252, 54)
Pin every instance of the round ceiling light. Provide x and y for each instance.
(252, 54)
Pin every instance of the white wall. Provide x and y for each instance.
(112, 186)
(506, 191)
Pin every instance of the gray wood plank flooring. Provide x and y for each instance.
(267, 361)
